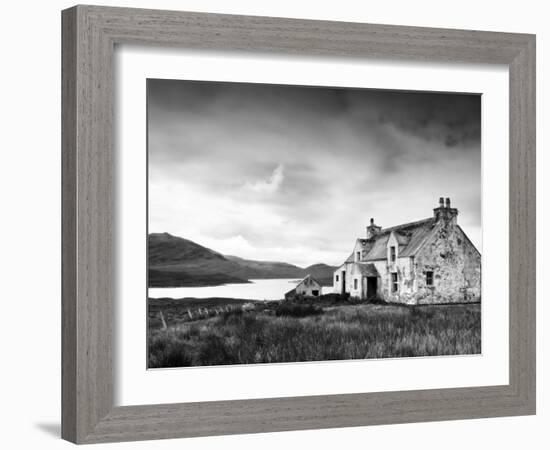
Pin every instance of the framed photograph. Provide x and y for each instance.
(278, 224)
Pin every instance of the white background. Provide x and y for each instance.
(134, 385)
(30, 225)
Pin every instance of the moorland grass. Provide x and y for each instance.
(286, 332)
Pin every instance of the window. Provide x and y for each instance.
(358, 256)
(337, 278)
(392, 253)
(315, 292)
(429, 278)
(355, 283)
(394, 282)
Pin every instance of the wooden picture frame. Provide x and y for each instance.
(90, 34)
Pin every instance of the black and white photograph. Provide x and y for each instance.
(292, 224)
(280, 224)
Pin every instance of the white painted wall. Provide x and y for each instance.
(337, 279)
(30, 225)
(308, 286)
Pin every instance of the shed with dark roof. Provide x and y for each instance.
(308, 287)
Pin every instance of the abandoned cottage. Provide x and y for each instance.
(422, 262)
(308, 287)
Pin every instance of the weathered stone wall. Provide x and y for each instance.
(383, 279)
(349, 277)
(356, 279)
(337, 279)
(405, 281)
(358, 250)
(402, 266)
(456, 267)
(337, 284)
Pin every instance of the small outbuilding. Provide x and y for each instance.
(308, 287)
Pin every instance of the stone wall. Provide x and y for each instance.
(355, 279)
(456, 267)
(405, 279)
(337, 279)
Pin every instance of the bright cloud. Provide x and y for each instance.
(269, 185)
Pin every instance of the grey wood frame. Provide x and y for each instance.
(89, 36)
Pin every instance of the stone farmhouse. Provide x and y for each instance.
(425, 262)
(308, 287)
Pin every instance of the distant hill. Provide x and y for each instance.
(176, 262)
(266, 269)
(322, 272)
(167, 249)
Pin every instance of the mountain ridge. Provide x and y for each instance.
(176, 262)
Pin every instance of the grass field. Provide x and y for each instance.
(205, 332)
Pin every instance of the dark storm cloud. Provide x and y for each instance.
(430, 116)
(286, 110)
(301, 162)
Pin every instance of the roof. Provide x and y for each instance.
(368, 269)
(410, 238)
(293, 291)
(310, 277)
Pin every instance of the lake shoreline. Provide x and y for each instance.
(173, 283)
(267, 289)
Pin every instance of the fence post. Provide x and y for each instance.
(164, 327)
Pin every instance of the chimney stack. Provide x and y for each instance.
(372, 229)
(445, 212)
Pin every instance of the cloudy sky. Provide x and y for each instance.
(291, 173)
